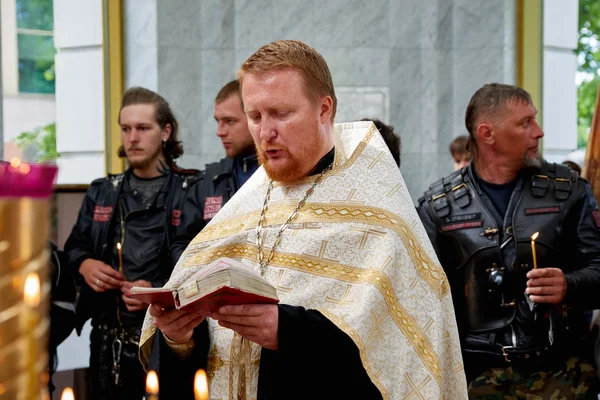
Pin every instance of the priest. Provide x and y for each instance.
(365, 311)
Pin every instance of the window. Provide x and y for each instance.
(35, 46)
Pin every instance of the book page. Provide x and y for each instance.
(223, 264)
(139, 289)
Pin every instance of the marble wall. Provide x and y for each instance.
(412, 63)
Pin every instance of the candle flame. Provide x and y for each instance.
(32, 290)
(535, 236)
(67, 394)
(200, 385)
(119, 246)
(152, 383)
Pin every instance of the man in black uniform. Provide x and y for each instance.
(522, 328)
(122, 238)
(222, 179)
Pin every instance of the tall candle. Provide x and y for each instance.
(120, 258)
(31, 298)
(151, 386)
(200, 385)
(533, 237)
(67, 394)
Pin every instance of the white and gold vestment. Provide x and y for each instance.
(358, 253)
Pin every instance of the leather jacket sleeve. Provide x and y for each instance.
(192, 219)
(583, 281)
(430, 227)
(79, 245)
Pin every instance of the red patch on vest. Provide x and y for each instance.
(596, 215)
(102, 214)
(175, 217)
(212, 205)
(542, 210)
(463, 225)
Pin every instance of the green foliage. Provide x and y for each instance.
(588, 59)
(36, 47)
(583, 133)
(586, 101)
(35, 14)
(43, 139)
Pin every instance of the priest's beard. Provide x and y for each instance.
(295, 167)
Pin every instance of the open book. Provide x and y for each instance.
(222, 282)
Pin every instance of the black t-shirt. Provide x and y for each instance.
(498, 194)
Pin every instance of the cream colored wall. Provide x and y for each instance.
(10, 74)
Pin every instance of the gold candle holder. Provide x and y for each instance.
(200, 386)
(24, 278)
(533, 238)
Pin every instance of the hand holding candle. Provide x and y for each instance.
(152, 386)
(533, 238)
(200, 386)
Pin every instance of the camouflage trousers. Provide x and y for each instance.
(573, 379)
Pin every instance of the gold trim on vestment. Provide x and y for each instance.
(429, 270)
(316, 266)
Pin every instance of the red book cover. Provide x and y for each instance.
(164, 297)
(211, 302)
(226, 296)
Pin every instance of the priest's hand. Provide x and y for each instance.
(99, 276)
(132, 303)
(546, 285)
(258, 323)
(177, 325)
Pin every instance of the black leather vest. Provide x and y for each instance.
(487, 262)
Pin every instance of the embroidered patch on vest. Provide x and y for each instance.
(175, 217)
(462, 225)
(462, 218)
(596, 216)
(102, 214)
(212, 205)
(542, 210)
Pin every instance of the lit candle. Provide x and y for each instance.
(67, 394)
(200, 385)
(533, 237)
(32, 290)
(31, 298)
(120, 258)
(151, 386)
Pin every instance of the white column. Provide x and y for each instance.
(79, 90)
(560, 67)
(79, 118)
